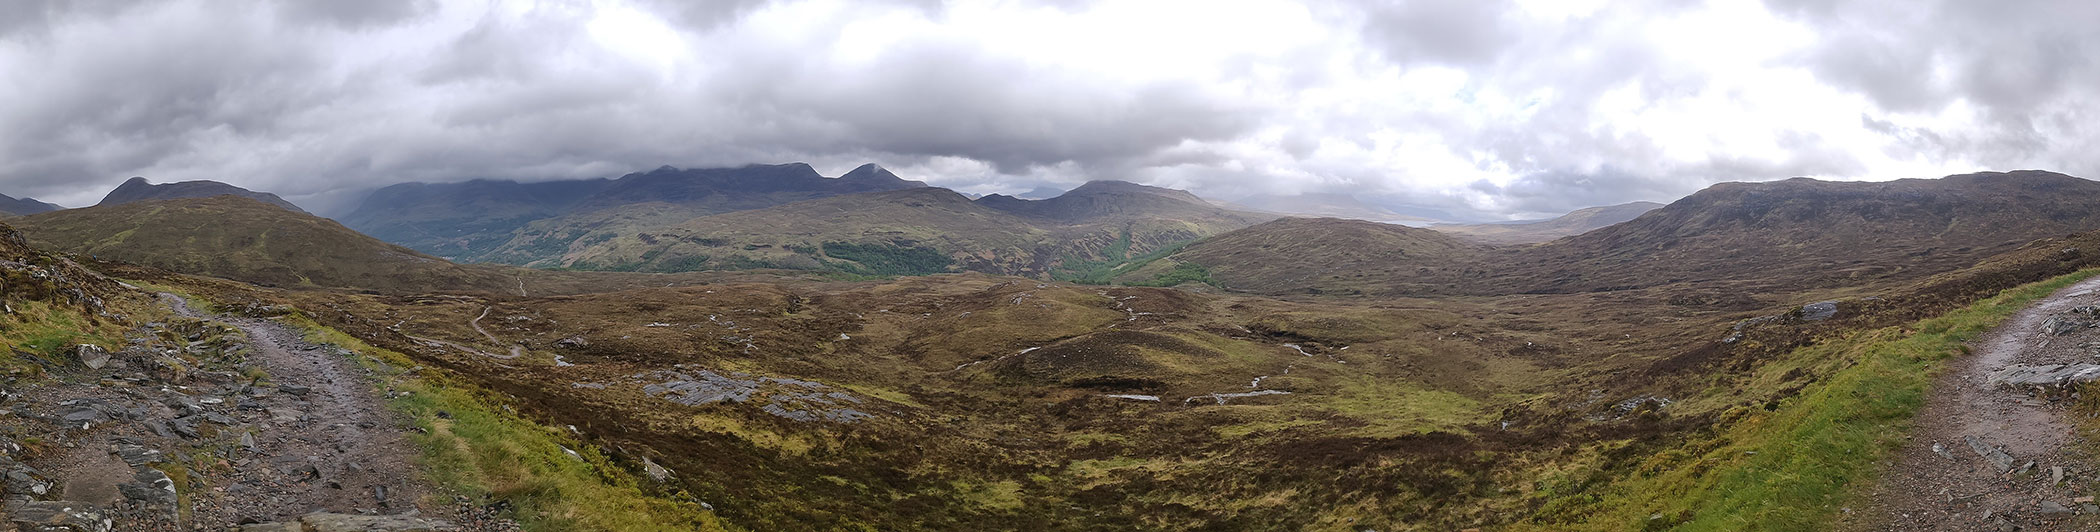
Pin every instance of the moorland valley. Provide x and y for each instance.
(767, 348)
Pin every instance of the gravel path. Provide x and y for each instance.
(1950, 475)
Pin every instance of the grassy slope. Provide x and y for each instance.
(240, 238)
(1793, 467)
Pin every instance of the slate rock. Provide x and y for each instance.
(22, 480)
(151, 488)
(2044, 376)
(84, 415)
(2063, 324)
(136, 455)
(67, 516)
(1994, 455)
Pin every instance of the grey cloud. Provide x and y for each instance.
(2028, 65)
(1457, 32)
(356, 13)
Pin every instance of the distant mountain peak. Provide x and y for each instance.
(24, 206)
(874, 173)
(1102, 198)
(139, 189)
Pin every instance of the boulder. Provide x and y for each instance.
(1819, 311)
(658, 472)
(91, 355)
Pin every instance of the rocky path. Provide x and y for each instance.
(1987, 456)
(261, 430)
(326, 444)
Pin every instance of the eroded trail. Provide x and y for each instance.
(1990, 457)
(189, 426)
(324, 443)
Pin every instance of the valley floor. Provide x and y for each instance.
(1989, 456)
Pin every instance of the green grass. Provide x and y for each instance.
(1794, 467)
(481, 449)
(49, 332)
(1395, 407)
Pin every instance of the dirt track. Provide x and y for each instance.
(1939, 480)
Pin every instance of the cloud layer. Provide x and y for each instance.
(1481, 109)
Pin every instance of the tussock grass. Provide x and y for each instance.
(49, 332)
(1793, 467)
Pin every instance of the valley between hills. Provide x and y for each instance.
(766, 348)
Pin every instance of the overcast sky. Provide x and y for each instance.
(1480, 108)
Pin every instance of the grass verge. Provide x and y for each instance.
(1793, 467)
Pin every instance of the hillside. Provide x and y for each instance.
(1804, 233)
(240, 238)
(467, 219)
(24, 206)
(910, 231)
(1100, 200)
(1726, 241)
(1328, 255)
(138, 189)
(1531, 232)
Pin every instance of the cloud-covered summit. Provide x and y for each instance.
(1474, 108)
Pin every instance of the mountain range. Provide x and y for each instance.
(907, 231)
(507, 221)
